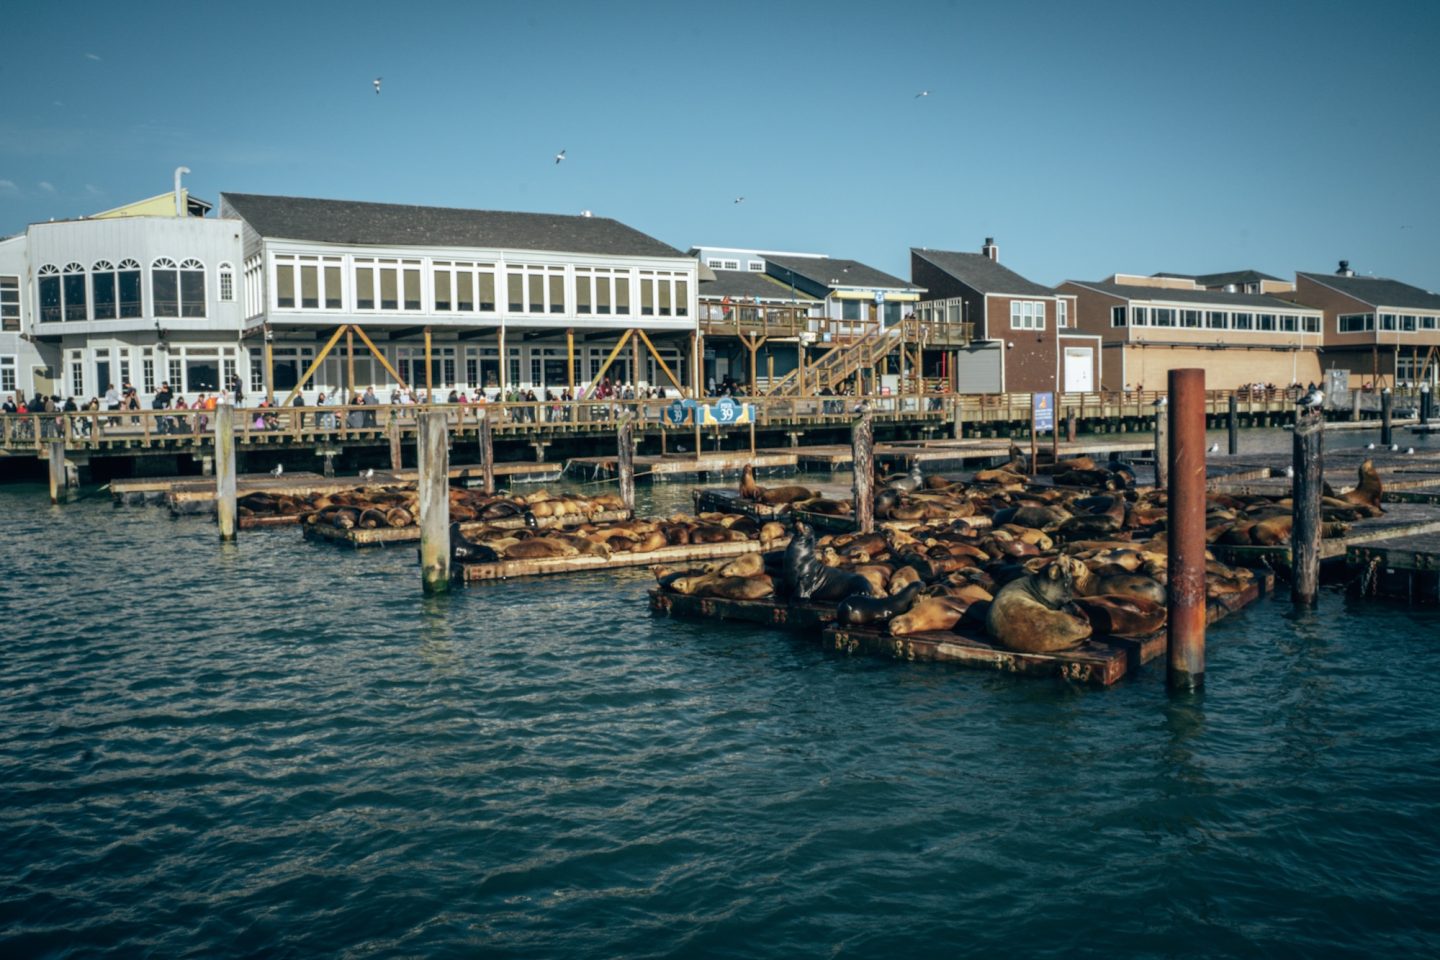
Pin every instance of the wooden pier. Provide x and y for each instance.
(687, 553)
(675, 465)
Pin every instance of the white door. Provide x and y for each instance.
(1079, 370)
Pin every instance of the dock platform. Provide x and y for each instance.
(674, 465)
(688, 553)
(358, 537)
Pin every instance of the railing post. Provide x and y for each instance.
(225, 508)
(1308, 447)
(1233, 426)
(862, 453)
(1185, 659)
(434, 489)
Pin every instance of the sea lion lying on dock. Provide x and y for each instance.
(862, 609)
(806, 578)
(464, 549)
(1121, 616)
(929, 613)
(774, 496)
(1036, 613)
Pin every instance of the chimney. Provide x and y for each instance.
(990, 250)
(1345, 270)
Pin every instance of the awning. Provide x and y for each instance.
(889, 295)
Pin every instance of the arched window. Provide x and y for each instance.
(165, 287)
(74, 284)
(49, 283)
(102, 290)
(227, 282)
(128, 279)
(192, 288)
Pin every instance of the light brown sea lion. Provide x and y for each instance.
(712, 533)
(772, 530)
(738, 588)
(1123, 616)
(1273, 530)
(746, 565)
(901, 579)
(928, 614)
(1368, 490)
(1035, 613)
(398, 517)
(773, 496)
(539, 548)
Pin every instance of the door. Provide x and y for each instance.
(43, 379)
(1079, 370)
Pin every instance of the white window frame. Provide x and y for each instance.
(1027, 314)
(10, 303)
(9, 364)
(225, 282)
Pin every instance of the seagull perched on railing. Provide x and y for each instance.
(1369, 446)
(368, 474)
(1213, 448)
(279, 469)
(1312, 400)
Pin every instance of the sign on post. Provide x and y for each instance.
(725, 412)
(1043, 411)
(679, 411)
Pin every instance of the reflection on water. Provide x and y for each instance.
(279, 748)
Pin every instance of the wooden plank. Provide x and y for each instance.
(667, 555)
(1093, 662)
(770, 612)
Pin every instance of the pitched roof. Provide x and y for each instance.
(1126, 291)
(750, 284)
(1378, 291)
(981, 273)
(835, 273)
(1220, 279)
(405, 225)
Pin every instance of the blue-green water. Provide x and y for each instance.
(280, 750)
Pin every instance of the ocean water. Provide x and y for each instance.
(275, 749)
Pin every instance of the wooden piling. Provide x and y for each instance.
(392, 433)
(225, 507)
(433, 484)
(1162, 442)
(1232, 425)
(1354, 405)
(1308, 464)
(862, 453)
(1425, 404)
(625, 460)
(1185, 661)
(1070, 425)
(1386, 404)
(486, 438)
(57, 470)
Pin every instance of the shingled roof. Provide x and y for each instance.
(1127, 291)
(1237, 277)
(979, 272)
(404, 225)
(1379, 291)
(836, 274)
(750, 284)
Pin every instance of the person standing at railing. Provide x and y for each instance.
(112, 403)
(370, 400)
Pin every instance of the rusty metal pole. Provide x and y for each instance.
(1185, 663)
(1308, 447)
(862, 454)
(1386, 405)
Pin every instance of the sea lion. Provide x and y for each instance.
(861, 609)
(539, 548)
(1368, 490)
(907, 482)
(1122, 616)
(927, 614)
(886, 500)
(806, 578)
(1036, 613)
(464, 549)
(772, 530)
(773, 496)
(738, 588)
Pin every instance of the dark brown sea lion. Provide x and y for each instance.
(806, 578)
(774, 496)
(1122, 616)
(1035, 613)
(464, 549)
(862, 609)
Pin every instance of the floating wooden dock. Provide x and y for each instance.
(1401, 520)
(770, 612)
(672, 465)
(358, 537)
(1403, 568)
(687, 553)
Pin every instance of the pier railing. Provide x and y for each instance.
(119, 431)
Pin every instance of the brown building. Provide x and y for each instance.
(1024, 338)
(1383, 331)
(1152, 325)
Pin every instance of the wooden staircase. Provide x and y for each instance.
(844, 359)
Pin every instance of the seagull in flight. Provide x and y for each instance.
(922, 93)
(376, 81)
(560, 156)
(279, 469)
(739, 199)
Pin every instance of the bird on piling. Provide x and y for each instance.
(1213, 448)
(279, 469)
(1290, 473)
(1312, 400)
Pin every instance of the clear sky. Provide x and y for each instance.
(1087, 138)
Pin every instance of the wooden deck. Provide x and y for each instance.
(506, 569)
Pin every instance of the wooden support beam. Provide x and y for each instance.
(429, 371)
(862, 453)
(375, 352)
(595, 381)
(660, 361)
(349, 361)
(1308, 463)
(57, 470)
(392, 433)
(315, 364)
(434, 488)
(269, 365)
(625, 460)
(1185, 594)
(225, 507)
(635, 363)
(570, 360)
(504, 363)
(486, 441)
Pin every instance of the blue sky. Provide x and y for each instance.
(1087, 138)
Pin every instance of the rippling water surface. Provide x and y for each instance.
(279, 750)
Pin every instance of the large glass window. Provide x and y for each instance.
(227, 282)
(128, 276)
(1265, 321)
(102, 290)
(1216, 319)
(74, 284)
(1140, 316)
(1242, 321)
(1027, 314)
(1190, 318)
(1163, 316)
(849, 309)
(1062, 314)
(1311, 324)
(165, 287)
(9, 303)
(1289, 323)
(192, 289)
(307, 283)
(48, 282)
(7, 374)
(1356, 322)
(1387, 321)
(1117, 316)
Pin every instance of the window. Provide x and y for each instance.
(1062, 314)
(102, 290)
(455, 285)
(380, 284)
(307, 283)
(1216, 319)
(1288, 323)
(75, 365)
(1190, 318)
(192, 289)
(1242, 321)
(1387, 321)
(1027, 315)
(1140, 316)
(892, 313)
(1117, 316)
(75, 308)
(1164, 316)
(664, 294)
(1265, 321)
(147, 370)
(1311, 324)
(1355, 322)
(714, 263)
(9, 303)
(849, 309)
(227, 282)
(756, 266)
(1407, 323)
(7, 373)
(128, 275)
(165, 287)
(48, 282)
(1427, 323)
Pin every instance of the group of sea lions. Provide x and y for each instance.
(490, 544)
(398, 506)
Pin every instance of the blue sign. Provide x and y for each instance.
(1042, 408)
(726, 410)
(679, 411)
(879, 296)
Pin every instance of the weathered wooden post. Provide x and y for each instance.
(486, 439)
(957, 424)
(1185, 660)
(433, 450)
(1308, 463)
(57, 470)
(1424, 404)
(1354, 405)
(625, 460)
(862, 446)
(1070, 425)
(1232, 425)
(392, 433)
(1162, 438)
(225, 509)
(1386, 403)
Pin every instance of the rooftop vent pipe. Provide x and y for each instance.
(1345, 270)
(179, 197)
